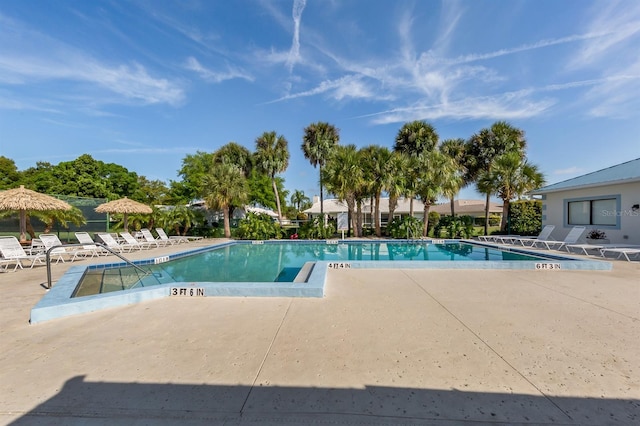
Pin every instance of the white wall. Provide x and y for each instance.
(554, 211)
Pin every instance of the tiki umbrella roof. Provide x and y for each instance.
(124, 205)
(22, 200)
(26, 199)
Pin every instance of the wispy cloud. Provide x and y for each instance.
(27, 57)
(512, 105)
(294, 52)
(616, 95)
(206, 74)
(620, 22)
(344, 88)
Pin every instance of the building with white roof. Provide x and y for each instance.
(607, 199)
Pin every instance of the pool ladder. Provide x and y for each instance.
(48, 259)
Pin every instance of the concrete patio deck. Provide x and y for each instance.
(402, 346)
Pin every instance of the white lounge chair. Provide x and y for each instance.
(12, 251)
(148, 237)
(131, 241)
(111, 242)
(72, 253)
(572, 238)
(621, 251)
(174, 239)
(5, 263)
(88, 244)
(544, 235)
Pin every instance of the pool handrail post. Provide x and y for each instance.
(48, 258)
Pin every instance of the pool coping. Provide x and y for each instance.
(57, 302)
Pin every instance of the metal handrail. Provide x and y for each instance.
(50, 249)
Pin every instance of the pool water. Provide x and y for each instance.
(280, 262)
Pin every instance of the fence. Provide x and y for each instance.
(95, 222)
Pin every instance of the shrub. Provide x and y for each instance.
(456, 227)
(258, 226)
(315, 229)
(407, 227)
(525, 217)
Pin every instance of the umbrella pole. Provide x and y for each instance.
(23, 225)
(125, 223)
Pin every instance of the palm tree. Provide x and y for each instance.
(376, 167)
(298, 199)
(318, 141)
(176, 217)
(344, 178)
(272, 157)
(396, 183)
(438, 176)
(234, 153)
(482, 150)
(511, 176)
(226, 185)
(415, 139)
(455, 149)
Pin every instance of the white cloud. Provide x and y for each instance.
(507, 106)
(294, 52)
(194, 65)
(347, 87)
(28, 57)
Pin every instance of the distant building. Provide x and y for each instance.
(607, 199)
(333, 207)
(473, 208)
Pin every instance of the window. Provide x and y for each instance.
(592, 212)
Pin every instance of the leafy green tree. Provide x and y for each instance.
(226, 185)
(512, 176)
(193, 171)
(318, 141)
(237, 154)
(9, 174)
(150, 192)
(272, 157)
(482, 150)
(415, 139)
(40, 178)
(261, 190)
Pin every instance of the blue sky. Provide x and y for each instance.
(144, 83)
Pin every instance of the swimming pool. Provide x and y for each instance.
(279, 261)
(274, 268)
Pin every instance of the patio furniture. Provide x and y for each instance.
(572, 237)
(131, 241)
(621, 251)
(174, 239)
(12, 251)
(148, 237)
(544, 235)
(51, 240)
(114, 245)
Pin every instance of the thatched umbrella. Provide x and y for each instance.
(124, 206)
(23, 200)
